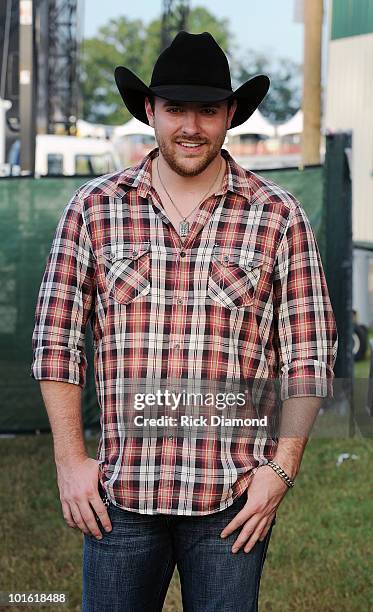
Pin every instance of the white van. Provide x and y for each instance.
(70, 155)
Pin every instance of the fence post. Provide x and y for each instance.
(339, 253)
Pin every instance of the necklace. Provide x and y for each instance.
(184, 224)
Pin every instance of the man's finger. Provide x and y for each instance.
(264, 532)
(255, 535)
(90, 520)
(68, 516)
(76, 514)
(101, 513)
(252, 541)
(241, 517)
(247, 530)
(267, 527)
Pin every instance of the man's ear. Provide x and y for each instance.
(231, 112)
(149, 112)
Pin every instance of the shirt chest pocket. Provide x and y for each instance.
(127, 270)
(233, 276)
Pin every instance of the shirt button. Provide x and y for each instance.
(134, 253)
(177, 345)
(180, 301)
(182, 253)
(170, 437)
(226, 258)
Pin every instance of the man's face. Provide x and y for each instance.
(189, 134)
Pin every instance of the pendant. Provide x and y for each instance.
(184, 228)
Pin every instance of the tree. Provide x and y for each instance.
(130, 43)
(284, 96)
(119, 42)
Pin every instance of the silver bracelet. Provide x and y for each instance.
(281, 473)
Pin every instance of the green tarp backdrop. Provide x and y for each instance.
(29, 212)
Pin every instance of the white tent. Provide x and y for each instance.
(256, 124)
(85, 129)
(133, 126)
(293, 126)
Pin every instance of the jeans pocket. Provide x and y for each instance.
(102, 493)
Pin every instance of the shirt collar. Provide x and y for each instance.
(236, 178)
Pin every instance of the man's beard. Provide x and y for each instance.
(184, 169)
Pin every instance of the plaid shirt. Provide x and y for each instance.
(243, 297)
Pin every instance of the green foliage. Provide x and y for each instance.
(284, 97)
(120, 40)
(131, 43)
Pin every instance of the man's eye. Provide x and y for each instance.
(173, 109)
(209, 111)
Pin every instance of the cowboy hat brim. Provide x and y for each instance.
(133, 92)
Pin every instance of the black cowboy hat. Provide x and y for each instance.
(192, 69)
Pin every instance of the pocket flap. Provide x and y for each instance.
(228, 256)
(133, 251)
(254, 259)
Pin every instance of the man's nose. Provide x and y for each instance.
(190, 122)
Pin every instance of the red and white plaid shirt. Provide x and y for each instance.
(244, 297)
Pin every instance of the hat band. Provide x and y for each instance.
(196, 90)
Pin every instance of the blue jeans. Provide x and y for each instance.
(130, 569)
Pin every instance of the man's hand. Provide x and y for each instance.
(264, 494)
(78, 485)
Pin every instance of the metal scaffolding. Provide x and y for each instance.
(62, 82)
(40, 42)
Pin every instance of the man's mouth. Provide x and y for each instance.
(191, 146)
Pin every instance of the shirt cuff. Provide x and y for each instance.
(306, 377)
(59, 363)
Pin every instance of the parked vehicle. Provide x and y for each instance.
(359, 341)
(68, 156)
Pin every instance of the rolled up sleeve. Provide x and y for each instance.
(65, 302)
(305, 328)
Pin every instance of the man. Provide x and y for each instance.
(190, 270)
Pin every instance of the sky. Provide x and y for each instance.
(264, 25)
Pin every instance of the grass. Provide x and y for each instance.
(319, 558)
